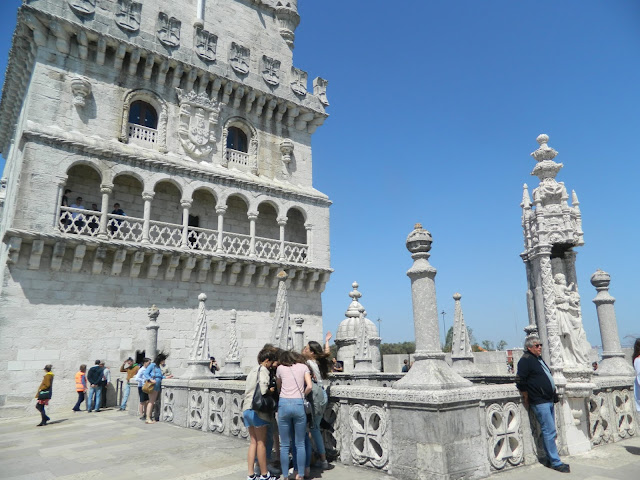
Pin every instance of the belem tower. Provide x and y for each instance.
(200, 130)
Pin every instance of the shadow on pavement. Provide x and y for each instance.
(633, 450)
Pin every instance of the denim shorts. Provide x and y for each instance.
(251, 419)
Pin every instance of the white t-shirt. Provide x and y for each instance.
(315, 372)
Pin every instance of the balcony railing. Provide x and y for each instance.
(78, 221)
(131, 229)
(237, 158)
(142, 135)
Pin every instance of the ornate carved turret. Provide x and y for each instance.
(199, 356)
(462, 359)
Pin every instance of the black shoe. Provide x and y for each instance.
(563, 468)
(41, 424)
(46, 420)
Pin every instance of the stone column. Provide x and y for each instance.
(147, 197)
(186, 205)
(298, 333)
(282, 222)
(151, 349)
(613, 362)
(252, 232)
(59, 195)
(220, 210)
(309, 228)
(430, 371)
(105, 190)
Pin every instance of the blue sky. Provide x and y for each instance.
(435, 107)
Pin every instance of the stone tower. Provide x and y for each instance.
(552, 228)
(190, 116)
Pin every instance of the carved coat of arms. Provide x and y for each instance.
(299, 81)
(320, 90)
(271, 71)
(168, 30)
(128, 15)
(239, 58)
(205, 44)
(198, 118)
(84, 7)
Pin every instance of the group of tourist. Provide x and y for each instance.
(79, 221)
(285, 393)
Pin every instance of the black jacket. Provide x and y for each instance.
(531, 378)
(94, 375)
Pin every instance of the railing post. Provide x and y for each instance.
(147, 197)
(309, 228)
(282, 222)
(252, 233)
(220, 210)
(186, 205)
(105, 190)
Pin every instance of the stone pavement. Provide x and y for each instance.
(112, 445)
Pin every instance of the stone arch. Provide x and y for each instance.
(235, 218)
(84, 180)
(127, 191)
(202, 213)
(87, 163)
(242, 161)
(295, 230)
(267, 221)
(157, 103)
(165, 206)
(120, 170)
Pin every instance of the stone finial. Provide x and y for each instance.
(600, 279)
(526, 199)
(419, 240)
(81, 88)
(231, 368)
(199, 355)
(462, 359)
(544, 152)
(281, 334)
(363, 361)
(153, 313)
(354, 307)
(574, 199)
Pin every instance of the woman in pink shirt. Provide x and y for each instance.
(294, 383)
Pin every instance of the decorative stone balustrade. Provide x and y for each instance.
(167, 234)
(143, 136)
(78, 221)
(234, 157)
(364, 418)
(128, 229)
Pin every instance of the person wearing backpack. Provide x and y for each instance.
(319, 365)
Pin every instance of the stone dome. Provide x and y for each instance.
(348, 328)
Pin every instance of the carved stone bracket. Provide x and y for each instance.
(81, 88)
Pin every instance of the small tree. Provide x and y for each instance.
(488, 345)
(501, 345)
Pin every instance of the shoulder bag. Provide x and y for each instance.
(44, 395)
(308, 408)
(262, 403)
(148, 387)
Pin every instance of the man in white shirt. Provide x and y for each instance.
(106, 377)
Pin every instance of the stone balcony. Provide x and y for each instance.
(121, 245)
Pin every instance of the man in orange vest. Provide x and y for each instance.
(81, 386)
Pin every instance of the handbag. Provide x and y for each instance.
(44, 395)
(262, 403)
(308, 408)
(148, 387)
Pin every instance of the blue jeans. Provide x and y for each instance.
(97, 391)
(292, 425)
(125, 395)
(544, 412)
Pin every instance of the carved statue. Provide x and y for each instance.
(572, 334)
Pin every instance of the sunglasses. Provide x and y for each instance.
(537, 345)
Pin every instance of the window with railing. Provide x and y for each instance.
(143, 124)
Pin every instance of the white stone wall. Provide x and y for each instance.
(67, 319)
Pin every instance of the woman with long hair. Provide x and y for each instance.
(294, 383)
(255, 421)
(318, 361)
(636, 364)
(45, 386)
(154, 373)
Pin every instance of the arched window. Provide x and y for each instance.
(141, 113)
(237, 140)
